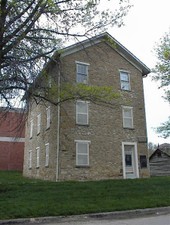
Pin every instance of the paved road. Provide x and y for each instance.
(155, 216)
(154, 220)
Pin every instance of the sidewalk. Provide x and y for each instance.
(108, 215)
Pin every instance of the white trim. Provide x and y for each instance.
(84, 154)
(83, 141)
(84, 75)
(78, 113)
(37, 157)
(12, 139)
(83, 63)
(129, 83)
(48, 117)
(30, 159)
(47, 149)
(135, 158)
(38, 123)
(31, 128)
(130, 108)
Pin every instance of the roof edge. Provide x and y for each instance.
(113, 43)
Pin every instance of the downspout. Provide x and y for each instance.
(58, 124)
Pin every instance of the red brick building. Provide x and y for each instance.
(12, 137)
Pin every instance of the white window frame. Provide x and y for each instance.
(37, 157)
(31, 128)
(80, 113)
(38, 123)
(135, 157)
(49, 82)
(47, 154)
(83, 154)
(48, 116)
(30, 159)
(86, 75)
(122, 82)
(127, 118)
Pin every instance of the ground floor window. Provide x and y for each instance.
(47, 154)
(37, 157)
(82, 152)
(30, 159)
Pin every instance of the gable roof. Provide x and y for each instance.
(158, 152)
(164, 146)
(117, 46)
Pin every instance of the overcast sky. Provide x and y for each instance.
(146, 23)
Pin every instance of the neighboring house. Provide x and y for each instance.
(80, 140)
(12, 133)
(160, 161)
(165, 147)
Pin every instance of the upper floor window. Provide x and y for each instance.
(127, 117)
(82, 116)
(82, 72)
(31, 128)
(125, 80)
(38, 123)
(48, 114)
(82, 153)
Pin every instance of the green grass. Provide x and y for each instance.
(21, 197)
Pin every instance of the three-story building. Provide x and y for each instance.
(81, 140)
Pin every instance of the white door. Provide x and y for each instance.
(130, 161)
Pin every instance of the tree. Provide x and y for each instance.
(151, 147)
(162, 71)
(32, 30)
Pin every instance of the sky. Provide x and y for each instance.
(146, 22)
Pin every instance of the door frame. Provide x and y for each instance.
(136, 169)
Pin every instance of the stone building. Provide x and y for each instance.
(81, 140)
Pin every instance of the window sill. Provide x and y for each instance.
(129, 128)
(83, 166)
(126, 90)
(83, 125)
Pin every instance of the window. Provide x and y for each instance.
(38, 123)
(38, 157)
(48, 117)
(125, 80)
(47, 154)
(49, 82)
(82, 153)
(128, 160)
(31, 128)
(82, 72)
(127, 117)
(143, 161)
(30, 159)
(82, 113)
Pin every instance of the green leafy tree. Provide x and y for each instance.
(162, 71)
(32, 30)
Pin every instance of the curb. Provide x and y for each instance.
(96, 216)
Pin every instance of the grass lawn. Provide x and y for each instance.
(21, 197)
